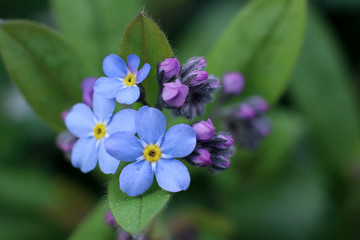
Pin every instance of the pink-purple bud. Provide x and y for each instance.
(262, 126)
(228, 140)
(171, 67)
(87, 87)
(65, 141)
(233, 83)
(203, 159)
(109, 218)
(258, 103)
(222, 162)
(200, 76)
(175, 93)
(245, 112)
(204, 130)
(65, 113)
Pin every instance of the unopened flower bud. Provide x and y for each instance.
(258, 103)
(233, 83)
(64, 114)
(87, 87)
(171, 67)
(221, 163)
(174, 93)
(245, 112)
(200, 76)
(203, 159)
(65, 141)
(204, 130)
(109, 218)
(262, 126)
(228, 140)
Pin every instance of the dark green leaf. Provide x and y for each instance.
(133, 214)
(94, 27)
(262, 42)
(144, 38)
(43, 66)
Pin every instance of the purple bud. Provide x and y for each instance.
(204, 130)
(200, 76)
(203, 159)
(174, 93)
(262, 126)
(233, 83)
(258, 103)
(245, 112)
(65, 141)
(200, 63)
(222, 162)
(171, 67)
(109, 218)
(87, 87)
(229, 141)
(64, 114)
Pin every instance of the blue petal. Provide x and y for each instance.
(172, 175)
(136, 178)
(150, 124)
(107, 163)
(124, 146)
(133, 62)
(128, 95)
(142, 74)
(124, 120)
(84, 155)
(179, 141)
(103, 107)
(108, 87)
(114, 66)
(80, 120)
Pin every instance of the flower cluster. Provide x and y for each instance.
(185, 89)
(97, 135)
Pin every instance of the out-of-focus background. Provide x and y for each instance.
(302, 183)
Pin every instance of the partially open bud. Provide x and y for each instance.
(171, 67)
(245, 112)
(228, 140)
(200, 76)
(203, 159)
(204, 130)
(233, 83)
(174, 93)
(87, 87)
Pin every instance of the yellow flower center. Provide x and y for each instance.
(129, 80)
(99, 131)
(152, 153)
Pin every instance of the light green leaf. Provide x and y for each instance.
(144, 38)
(133, 214)
(43, 66)
(94, 226)
(94, 27)
(321, 88)
(262, 42)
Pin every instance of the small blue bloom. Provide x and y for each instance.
(92, 128)
(122, 79)
(153, 153)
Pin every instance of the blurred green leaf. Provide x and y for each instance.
(43, 66)
(94, 27)
(133, 214)
(321, 88)
(94, 226)
(144, 38)
(262, 42)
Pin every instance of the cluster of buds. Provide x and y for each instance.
(185, 89)
(249, 123)
(213, 150)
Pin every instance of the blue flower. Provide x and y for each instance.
(153, 153)
(92, 128)
(122, 79)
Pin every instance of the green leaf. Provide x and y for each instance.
(43, 66)
(262, 42)
(133, 214)
(322, 89)
(94, 226)
(144, 38)
(94, 27)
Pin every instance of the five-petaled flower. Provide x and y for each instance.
(122, 79)
(92, 128)
(153, 153)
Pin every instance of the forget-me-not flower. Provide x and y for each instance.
(153, 153)
(92, 128)
(122, 79)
